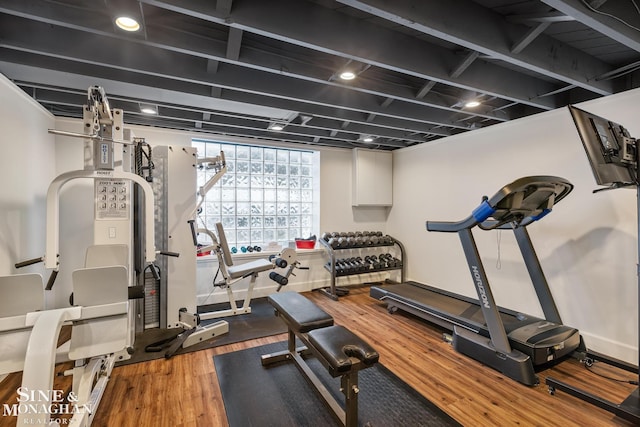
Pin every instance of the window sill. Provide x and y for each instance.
(256, 255)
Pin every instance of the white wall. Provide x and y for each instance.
(26, 167)
(587, 246)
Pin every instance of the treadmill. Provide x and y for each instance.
(511, 342)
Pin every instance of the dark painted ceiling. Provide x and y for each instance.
(235, 66)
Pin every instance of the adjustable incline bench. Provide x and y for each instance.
(339, 350)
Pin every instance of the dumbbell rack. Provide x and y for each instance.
(331, 292)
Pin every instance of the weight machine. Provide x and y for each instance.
(233, 273)
(195, 332)
(102, 318)
(180, 300)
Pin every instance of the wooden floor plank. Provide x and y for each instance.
(184, 390)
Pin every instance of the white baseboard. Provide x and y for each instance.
(617, 350)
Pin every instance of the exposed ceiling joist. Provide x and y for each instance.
(290, 20)
(234, 67)
(485, 31)
(615, 19)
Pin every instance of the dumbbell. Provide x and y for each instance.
(343, 242)
(326, 236)
(343, 267)
(339, 267)
(333, 242)
(390, 260)
(357, 264)
(383, 261)
(362, 266)
(354, 265)
(347, 267)
(373, 260)
(234, 250)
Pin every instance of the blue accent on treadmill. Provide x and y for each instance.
(541, 214)
(482, 212)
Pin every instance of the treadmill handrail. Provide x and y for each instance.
(489, 206)
(451, 226)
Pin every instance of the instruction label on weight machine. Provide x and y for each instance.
(112, 199)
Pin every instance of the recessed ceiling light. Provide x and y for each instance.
(148, 110)
(276, 126)
(128, 24)
(367, 139)
(347, 75)
(472, 104)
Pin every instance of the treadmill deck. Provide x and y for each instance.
(542, 340)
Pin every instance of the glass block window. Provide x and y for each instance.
(268, 194)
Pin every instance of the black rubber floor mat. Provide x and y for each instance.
(261, 322)
(280, 396)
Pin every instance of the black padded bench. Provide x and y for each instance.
(339, 350)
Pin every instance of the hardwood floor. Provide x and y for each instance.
(184, 391)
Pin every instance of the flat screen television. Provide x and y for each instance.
(611, 151)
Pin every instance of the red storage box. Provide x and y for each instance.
(305, 244)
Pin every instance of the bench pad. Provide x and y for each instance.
(337, 344)
(250, 267)
(301, 314)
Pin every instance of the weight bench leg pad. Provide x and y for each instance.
(338, 345)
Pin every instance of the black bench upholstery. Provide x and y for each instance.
(338, 345)
(300, 314)
(341, 352)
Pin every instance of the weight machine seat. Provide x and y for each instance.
(248, 268)
(299, 313)
(243, 270)
(224, 246)
(338, 345)
(21, 294)
(102, 293)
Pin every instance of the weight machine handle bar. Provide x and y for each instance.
(167, 253)
(52, 277)
(29, 262)
(51, 280)
(194, 234)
